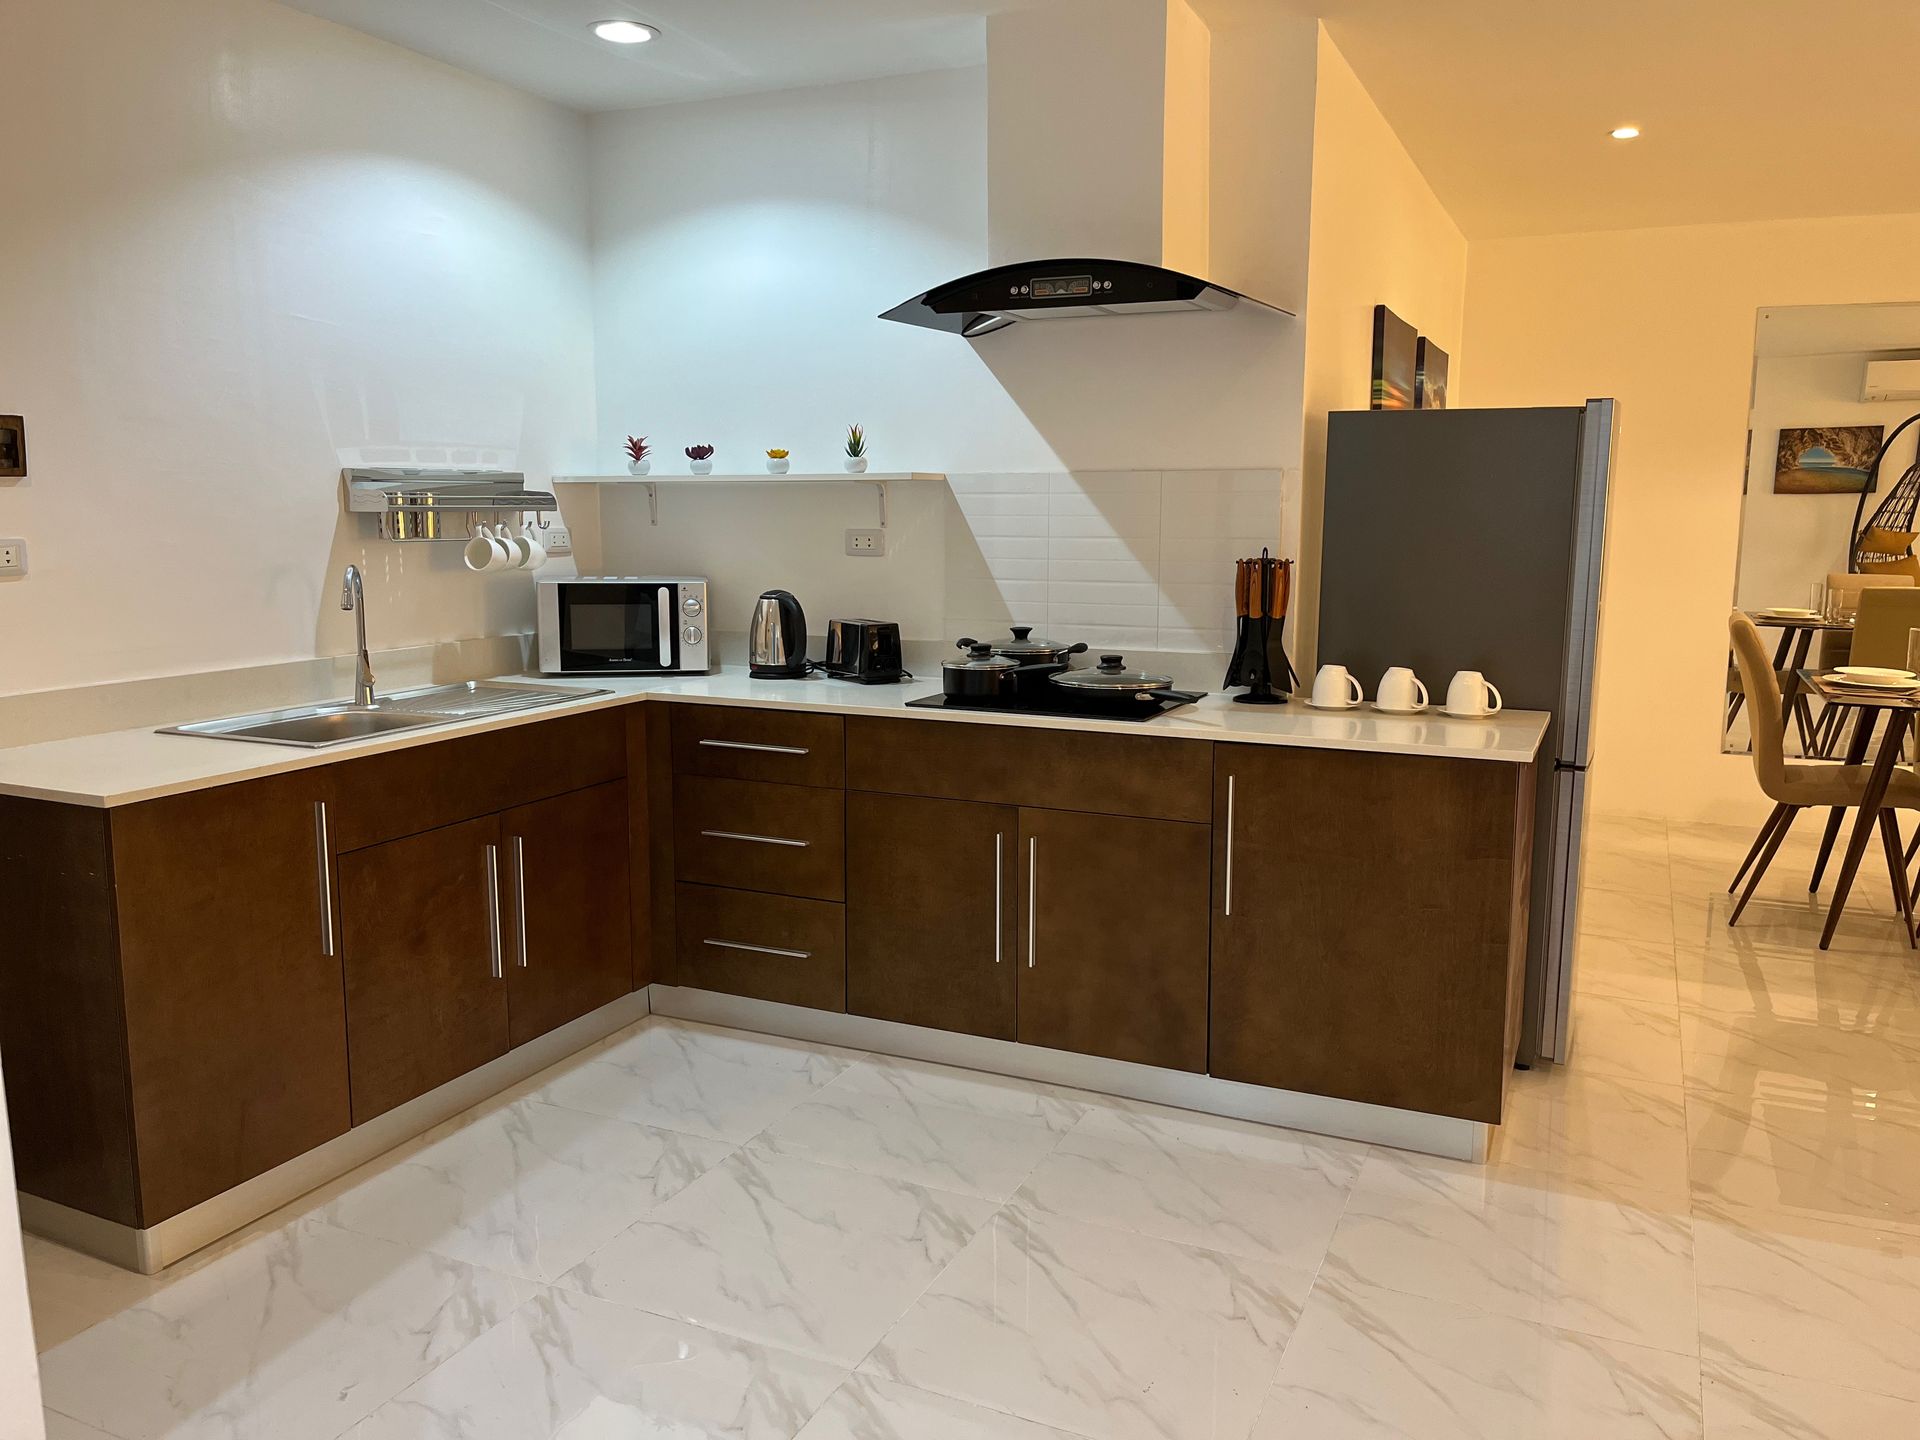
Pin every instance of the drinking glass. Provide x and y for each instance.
(1913, 651)
(1817, 602)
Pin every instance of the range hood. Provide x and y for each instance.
(1111, 159)
(990, 300)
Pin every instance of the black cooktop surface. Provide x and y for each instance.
(1057, 709)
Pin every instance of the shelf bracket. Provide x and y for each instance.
(881, 487)
(653, 505)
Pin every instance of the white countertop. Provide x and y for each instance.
(121, 767)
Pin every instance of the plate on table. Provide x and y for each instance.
(1874, 673)
(1789, 612)
(1876, 687)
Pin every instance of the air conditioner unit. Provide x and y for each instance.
(1892, 380)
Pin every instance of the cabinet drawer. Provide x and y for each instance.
(771, 947)
(408, 792)
(786, 839)
(739, 743)
(1104, 774)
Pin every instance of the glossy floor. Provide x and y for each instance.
(1707, 1225)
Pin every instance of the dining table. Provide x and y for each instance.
(1797, 629)
(1897, 707)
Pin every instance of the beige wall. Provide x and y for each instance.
(1379, 237)
(1664, 321)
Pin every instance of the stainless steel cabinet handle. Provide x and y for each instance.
(323, 848)
(1229, 888)
(1033, 889)
(756, 839)
(520, 895)
(764, 749)
(495, 945)
(759, 949)
(998, 844)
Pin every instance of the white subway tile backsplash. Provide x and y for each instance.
(1120, 559)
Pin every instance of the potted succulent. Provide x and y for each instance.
(638, 452)
(700, 459)
(777, 462)
(856, 449)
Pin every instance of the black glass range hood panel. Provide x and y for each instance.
(979, 304)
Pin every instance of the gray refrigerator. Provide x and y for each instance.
(1476, 540)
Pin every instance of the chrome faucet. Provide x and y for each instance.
(353, 597)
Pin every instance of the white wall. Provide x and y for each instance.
(243, 248)
(1664, 320)
(20, 1417)
(1788, 541)
(1379, 237)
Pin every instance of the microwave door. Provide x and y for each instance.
(615, 628)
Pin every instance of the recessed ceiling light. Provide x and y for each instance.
(624, 32)
(1626, 132)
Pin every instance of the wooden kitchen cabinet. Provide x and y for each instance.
(171, 1018)
(1370, 923)
(931, 933)
(422, 924)
(568, 916)
(1113, 924)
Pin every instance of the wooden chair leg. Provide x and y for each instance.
(1834, 817)
(1766, 859)
(1897, 872)
(1766, 832)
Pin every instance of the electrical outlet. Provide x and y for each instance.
(866, 542)
(557, 539)
(13, 558)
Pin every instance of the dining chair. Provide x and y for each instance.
(1886, 614)
(1799, 785)
(1844, 589)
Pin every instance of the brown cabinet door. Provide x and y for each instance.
(746, 835)
(236, 1032)
(1113, 926)
(930, 912)
(569, 923)
(1369, 923)
(769, 947)
(422, 924)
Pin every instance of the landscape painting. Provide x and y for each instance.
(1393, 360)
(1826, 459)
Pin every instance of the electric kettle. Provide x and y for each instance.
(777, 638)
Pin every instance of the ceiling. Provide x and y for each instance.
(1751, 109)
(706, 48)
(1786, 330)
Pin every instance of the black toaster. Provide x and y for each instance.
(864, 650)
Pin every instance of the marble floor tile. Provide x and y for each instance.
(1823, 1149)
(1832, 1303)
(1751, 1405)
(1621, 915)
(1370, 1364)
(918, 1082)
(810, 1258)
(70, 1292)
(869, 1408)
(298, 1335)
(65, 1427)
(532, 1189)
(1531, 1247)
(1626, 1039)
(1799, 1044)
(1595, 1128)
(1630, 969)
(1636, 871)
(1770, 982)
(874, 1124)
(567, 1365)
(1098, 1332)
(1280, 1205)
(724, 1084)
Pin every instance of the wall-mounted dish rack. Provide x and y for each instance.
(428, 504)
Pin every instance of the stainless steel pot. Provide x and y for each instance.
(1028, 651)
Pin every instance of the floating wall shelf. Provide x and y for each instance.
(879, 480)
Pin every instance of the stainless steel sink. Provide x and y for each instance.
(315, 726)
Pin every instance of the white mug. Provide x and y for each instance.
(1400, 689)
(519, 548)
(1335, 689)
(486, 551)
(536, 552)
(1471, 694)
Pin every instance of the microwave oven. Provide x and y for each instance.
(622, 625)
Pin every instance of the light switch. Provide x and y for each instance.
(13, 559)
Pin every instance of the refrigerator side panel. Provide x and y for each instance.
(1549, 1035)
(1589, 573)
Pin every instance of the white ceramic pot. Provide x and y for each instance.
(701, 467)
(639, 467)
(856, 465)
(777, 467)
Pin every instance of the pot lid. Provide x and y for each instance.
(980, 657)
(1024, 647)
(1112, 674)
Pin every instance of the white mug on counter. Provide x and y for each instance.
(1335, 689)
(1400, 690)
(1472, 696)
